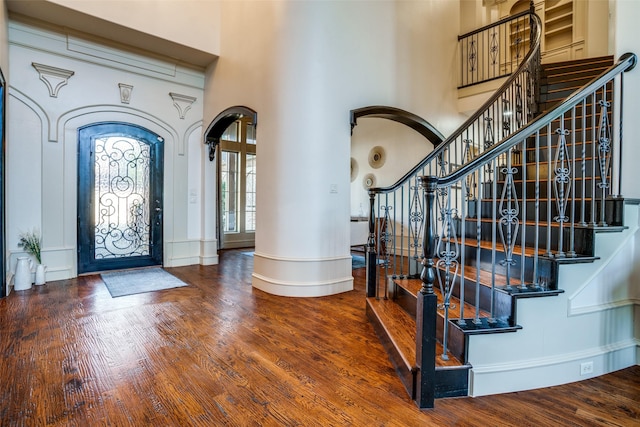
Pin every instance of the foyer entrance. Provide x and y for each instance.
(120, 179)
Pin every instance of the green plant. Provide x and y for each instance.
(30, 242)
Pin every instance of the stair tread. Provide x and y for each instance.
(542, 251)
(575, 63)
(400, 328)
(413, 287)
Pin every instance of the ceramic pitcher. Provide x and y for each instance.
(22, 279)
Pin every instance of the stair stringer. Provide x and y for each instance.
(556, 339)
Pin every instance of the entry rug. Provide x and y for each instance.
(121, 283)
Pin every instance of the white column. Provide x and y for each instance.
(303, 66)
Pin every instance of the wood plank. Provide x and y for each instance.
(219, 352)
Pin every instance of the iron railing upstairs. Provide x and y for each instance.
(503, 221)
(496, 50)
(396, 217)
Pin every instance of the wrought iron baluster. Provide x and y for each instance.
(572, 219)
(509, 222)
(604, 153)
(593, 221)
(416, 219)
(447, 266)
(385, 237)
(583, 166)
(561, 184)
(489, 140)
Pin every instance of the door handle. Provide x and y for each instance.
(158, 209)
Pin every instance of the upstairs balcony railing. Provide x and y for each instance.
(496, 50)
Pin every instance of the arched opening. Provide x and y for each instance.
(231, 138)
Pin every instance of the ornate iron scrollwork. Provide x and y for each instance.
(473, 56)
(509, 224)
(494, 48)
(604, 144)
(122, 197)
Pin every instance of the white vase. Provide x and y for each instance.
(40, 270)
(22, 279)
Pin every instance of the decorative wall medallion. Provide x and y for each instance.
(54, 78)
(182, 103)
(369, 181)
(125, 92)
(354, 169)
(377, 157)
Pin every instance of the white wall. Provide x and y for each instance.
(192, 23)
(624, 17)
(624, 14)
(42, 138)
(4, 43)
(403, 147)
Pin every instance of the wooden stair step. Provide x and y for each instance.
(576, 64)
(572, 74)
(401, 329)
(412, 286)
(396, 330)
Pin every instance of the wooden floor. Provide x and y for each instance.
(219, 352)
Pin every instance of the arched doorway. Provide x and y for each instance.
(120, 182)
(231, 137)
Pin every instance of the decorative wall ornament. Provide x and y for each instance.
(369, 181)
(354, 169)
(182, 102)
(54, 78)
(125, 92)
(377, 157)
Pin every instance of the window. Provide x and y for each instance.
(237, 166)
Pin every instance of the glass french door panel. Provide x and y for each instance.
(122, 195)
(230, 190)
(250, 192)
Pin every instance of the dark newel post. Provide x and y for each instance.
(372, 258)
(427, 304)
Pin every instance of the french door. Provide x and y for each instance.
(120, 177)
(237, 180)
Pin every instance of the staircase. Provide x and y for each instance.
(491, 217)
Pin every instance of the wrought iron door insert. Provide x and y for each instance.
(119, 197)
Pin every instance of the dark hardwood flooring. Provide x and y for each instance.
(219, 352)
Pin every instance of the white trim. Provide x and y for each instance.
(296, 289)
(73, 47)
(288, 259)
(547, 372)
(602, 307)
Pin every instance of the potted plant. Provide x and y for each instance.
(30, 242)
